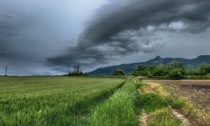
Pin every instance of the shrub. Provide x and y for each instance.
(203, 69)
(176, 74)
(159, 71)
(118, 72)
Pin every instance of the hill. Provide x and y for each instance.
(127, 68)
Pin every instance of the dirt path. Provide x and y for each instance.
(181, 117)
(143, 119)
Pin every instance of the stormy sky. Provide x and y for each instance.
(41, 37)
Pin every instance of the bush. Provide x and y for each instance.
(203, 69)
(159, 71)
(118, 72)
(176, 74)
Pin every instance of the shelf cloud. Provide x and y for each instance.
(135, 26)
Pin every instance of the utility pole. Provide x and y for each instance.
(68, 68)
(6, 71)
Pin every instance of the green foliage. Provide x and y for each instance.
(156, 107)
(118, 72)
(190, 69)
(142, 70)
(160, 71)
(119, 110)
(176, 74)
(164, 118)
(151, 102)
(52, 100)
(175, 102)
(203, 69)
(76, 74)
(175, 65)
(174, 70)
(197, 77)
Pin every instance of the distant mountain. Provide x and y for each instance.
(127, 68)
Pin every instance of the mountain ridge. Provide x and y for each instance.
(127, 68)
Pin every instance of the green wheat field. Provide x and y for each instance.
(95, 101)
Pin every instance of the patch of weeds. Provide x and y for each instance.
(151, 102)
(175, 102)
(163, 117)
(140, 86)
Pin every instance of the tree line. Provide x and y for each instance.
(174, 70)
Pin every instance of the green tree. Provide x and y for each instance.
(118, 72)
(190, 69)
(176, 70)
(176, 74)
(159, 71)
(203, 69)
(175, 65)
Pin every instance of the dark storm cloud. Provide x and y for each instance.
(125, 27)
(26, 31)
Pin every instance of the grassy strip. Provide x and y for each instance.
(183, 104)
(163, 117)
(118, 110)
(156, 106)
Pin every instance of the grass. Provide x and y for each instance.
(118, 110)
(182, 103)
(163, 117)
(94, 101)
(190, 107)
(52, 100)
(151, 102)
(155, 101)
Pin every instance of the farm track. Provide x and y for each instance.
(181, 117)
(196, 94)
(144, 117)
(198, 91)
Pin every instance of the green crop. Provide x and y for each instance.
(50, 101)
(118, 110)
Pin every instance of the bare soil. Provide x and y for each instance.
(188, 82)
(181, 117)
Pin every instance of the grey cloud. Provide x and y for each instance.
(28, 32)
(127, 27)
(33, 30)
(7, 14)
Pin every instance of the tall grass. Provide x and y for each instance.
(151, 102)
(52, 101)
(118, 110)
(188, 108)
(163, 117)
(154, 100)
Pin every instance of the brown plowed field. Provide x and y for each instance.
(185, 82)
